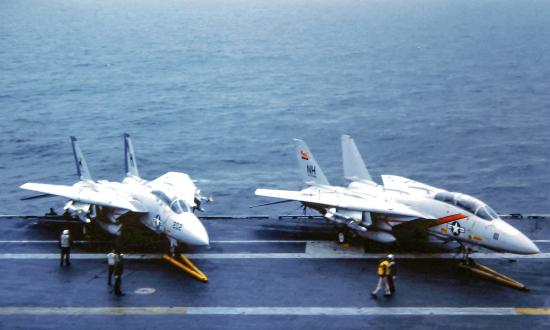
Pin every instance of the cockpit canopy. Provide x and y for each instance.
(177, 205)
(467, 203)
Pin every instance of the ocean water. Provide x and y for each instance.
(455, 94)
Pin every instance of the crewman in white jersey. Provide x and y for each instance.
(111, 265)
(65, 248)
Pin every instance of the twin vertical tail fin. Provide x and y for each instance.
(311, 172)
(354, 166)
(130, 162)
(81, 166)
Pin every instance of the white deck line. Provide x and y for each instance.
(198, 256)
(214, 241)
(313, 250)
(307, 311)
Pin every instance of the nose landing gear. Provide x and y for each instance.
(183, 262)
(187, 266)
(484, 271)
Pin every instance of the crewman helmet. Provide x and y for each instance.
(390, 256)
(66, 232)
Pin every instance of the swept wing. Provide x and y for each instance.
(96, 195)
(318, 196)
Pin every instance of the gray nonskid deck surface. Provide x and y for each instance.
(268, 292)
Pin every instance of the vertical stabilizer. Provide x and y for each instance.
(354, 167)
(130, 162)
(80, 161)
(309, 169)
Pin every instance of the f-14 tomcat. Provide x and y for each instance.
(165, 205)
(374, 211)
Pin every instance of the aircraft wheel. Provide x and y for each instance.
(341, 237)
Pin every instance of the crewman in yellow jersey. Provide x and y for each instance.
(383, 272)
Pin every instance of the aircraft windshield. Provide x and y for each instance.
(162, 196)
(468, 203)
(487, 213)
(179, 206)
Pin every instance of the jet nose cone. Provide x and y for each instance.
(517, 242)
(526, 246)
(197, 234)
(201, 237)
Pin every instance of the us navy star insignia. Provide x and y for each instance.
(156, 221)
(455, 228)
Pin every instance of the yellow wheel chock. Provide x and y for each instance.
(492, 274)
(187, 266)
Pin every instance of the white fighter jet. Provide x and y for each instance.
(375, 212)
(165, 205)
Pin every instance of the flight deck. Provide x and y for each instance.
(266, 272)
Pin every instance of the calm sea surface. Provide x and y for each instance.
(452, 93)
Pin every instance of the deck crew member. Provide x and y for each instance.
(51, 213)
(383, 271)
(65, 248)
(119, 269)
(391, 273)
(111, 265)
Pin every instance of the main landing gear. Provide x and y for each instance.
(341, 237)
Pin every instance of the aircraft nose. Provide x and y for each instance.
(197, 234)
(532, 248)
(526, 246)
(516, 241)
